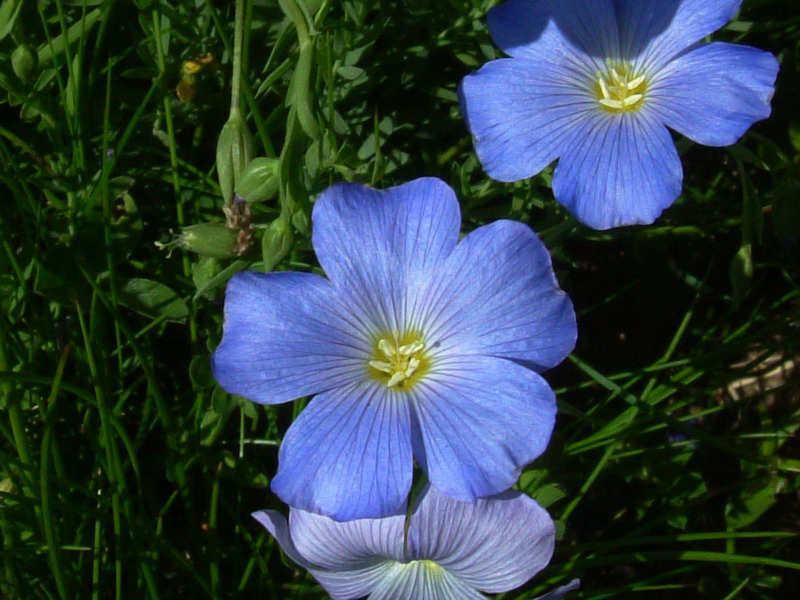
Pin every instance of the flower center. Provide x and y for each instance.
(399, 361)
(427, 574)
(620, 89)
(430, 568)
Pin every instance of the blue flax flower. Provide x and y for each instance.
(417, 345)
(596, 83)
(451, 549)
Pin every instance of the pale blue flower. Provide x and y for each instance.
(596, 83)
(417, 346)
(451, 551)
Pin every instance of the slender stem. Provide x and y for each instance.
(51, 532)
(97, 548)
(113, 470)
(14, 412)
(238, 35)
(246, 90)
(291, 8)
(104, 192)
(216, 584)
(173, 160)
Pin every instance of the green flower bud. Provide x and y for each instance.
(234, 152)
(206, 239)
(25, 62)
(259, 180)
(276, 243)
(740, 272)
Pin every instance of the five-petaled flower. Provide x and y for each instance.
(450, 550)
(596, 83)
(417, 345)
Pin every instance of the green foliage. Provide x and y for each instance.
(152, 299)
(126, 472)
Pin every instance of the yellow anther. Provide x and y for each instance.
(604, 88)
(409, 349)
(610, 103)
(618, 90)
(636, 82)
(381, 366)
(396, 378)
(387, 348)
(400, 362)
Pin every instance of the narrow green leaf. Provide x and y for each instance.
(9, 11)
(58, 43)
(153, 299)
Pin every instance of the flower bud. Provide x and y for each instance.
(259, 180)
(24, 62)
(208, 239)
(234, 152)
(740, 272)
(185, 90)
(276, 243)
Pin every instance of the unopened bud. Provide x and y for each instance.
(740, 272)
(276, 243)
(24, 62)
(234, 152)
(259, 180)
(206, 239)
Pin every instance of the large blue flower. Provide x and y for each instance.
(450, 550)
(596, 83)
(416, 345)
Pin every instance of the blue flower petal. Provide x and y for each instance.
(347, 545)
(479, 420)
(560, 592)
(654, 31)
(357, 583)
(356, 553)
(422, 580)
(348, 454)
(278, 526)
(494, 544)
(518, 110)
(352, 557)
(497, 295)
(552, 29)
(619, 170)
(375, 243)
(286, 335)
(714, 92)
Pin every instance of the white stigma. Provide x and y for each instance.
(400, 362)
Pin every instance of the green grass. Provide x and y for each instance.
(125, 472)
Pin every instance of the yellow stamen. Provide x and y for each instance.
(399, 361)
(617, 89)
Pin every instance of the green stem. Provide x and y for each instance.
(54, 548)
(106, 199)
(97, 550)
(113, 468)
(173, 160)
(216, 584)
(14, 411)
(291, 8)
(236, 82)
